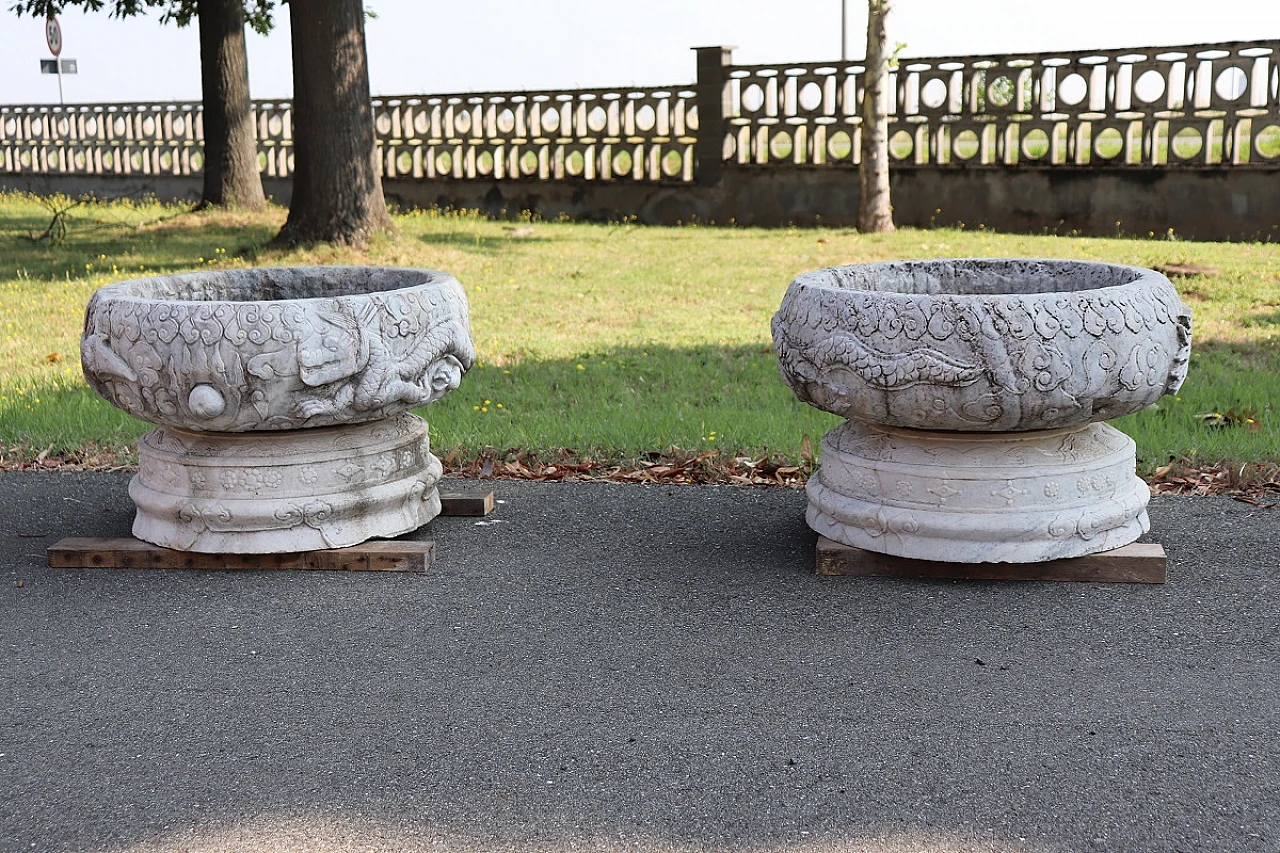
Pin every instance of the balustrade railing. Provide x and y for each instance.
(1190, 106)
(1195, 105)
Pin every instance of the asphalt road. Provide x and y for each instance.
(609, 667)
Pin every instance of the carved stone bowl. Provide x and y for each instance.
(982, 344)
(277, 348)
(282, 396)
(973, 391)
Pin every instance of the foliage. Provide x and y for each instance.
(257, 13)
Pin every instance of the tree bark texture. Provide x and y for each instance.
(231, 174)
(337, 192)
(875, 212)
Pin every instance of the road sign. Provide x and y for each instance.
(53, 35)
(58, 66)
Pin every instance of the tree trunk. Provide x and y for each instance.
(337, 193)
(231, 176)
(875, 213)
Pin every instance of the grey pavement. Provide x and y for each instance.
(610, 667)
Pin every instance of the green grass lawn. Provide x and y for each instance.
(612, 340)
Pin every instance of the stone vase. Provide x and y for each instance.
(975, 392)
(282, 397)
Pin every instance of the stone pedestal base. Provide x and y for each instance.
(978, 497)
(286, 491)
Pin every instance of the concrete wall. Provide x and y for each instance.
(1228, 203)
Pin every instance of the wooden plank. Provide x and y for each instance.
(129, 553)
(471, 504)
(1135, 563)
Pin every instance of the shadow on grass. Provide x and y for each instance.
(477, 243)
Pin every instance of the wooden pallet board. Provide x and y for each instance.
(130, 553)
(470, 504)
(1136, 563)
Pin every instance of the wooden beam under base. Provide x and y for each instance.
(129, 553)
(1136, 563)
(470, 504)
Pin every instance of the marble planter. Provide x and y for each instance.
(974, 391)
(283, 398)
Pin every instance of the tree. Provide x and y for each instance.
(231, 176)
(337, 193)
(875, 213)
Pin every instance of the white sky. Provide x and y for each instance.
(434, 47)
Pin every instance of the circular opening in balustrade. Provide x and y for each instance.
(597, 119)
(91, 126)
(179, 126)
(691, 119)
(197, 159)
(484, 163)
(1186, 143)
(11, 127)
(646, 118)
(506, 121)
(1000, 92)
(1035, 144)
(839, 145)
(421, 123)
(444, 163)
(780, 146)
(1108, 143)
(622, 163)
(1149, 86)
(166, 160)
(383, 124)
(64, 126)
(80, 160)
(933, 93)
(965, 144)
(574, 163)
(37, 126)
(1267, 142)
(1231, 83)
(672, 164)
(262, 161)
(149, 126)
(462, 122)
(752, 98)
(810, 96)
(109, 161)
(528, 163)
(550, 121)
(120, 126)
(901, 144)
(404, 162)
(1072, 89)
(135, 160)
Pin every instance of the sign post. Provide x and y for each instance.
(53, 37)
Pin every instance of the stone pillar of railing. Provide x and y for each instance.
(714, 106)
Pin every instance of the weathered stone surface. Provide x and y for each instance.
(284, 491)
(973, 390)
(985, 345)
(277, 348)
(978, 497)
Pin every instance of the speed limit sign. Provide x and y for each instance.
(53, 35)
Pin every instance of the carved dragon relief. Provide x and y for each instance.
(1031, 361)
(340, 360)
